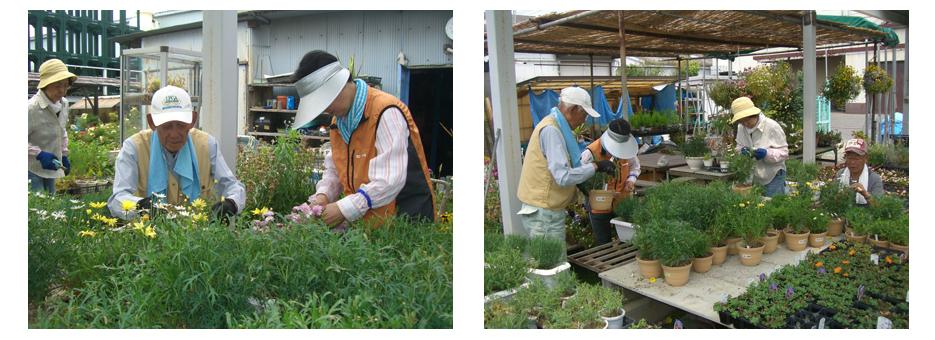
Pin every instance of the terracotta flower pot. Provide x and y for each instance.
(677, 276)
(601, 201)
(817, 240)
(720, 254)
(770, 242)
(649, 268)
(877, 242)
(703, 264)
(850, 236)
(751, 256)
(782, 236)
(741, 189)
(835, 227)
(732, 245)
(796, 242)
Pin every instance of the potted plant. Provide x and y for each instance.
(708, 160)
(610, 302)
(716, 235)
(567, 285)
(836, 199)
(584, 310)
(898, 234)
(645, 239)
(742, 168)
(876, 233)
(599, 198)
(818, 228)
(858, 220)
(504, 271)
(750, 221)
(694, 150)
(786, 213)
(535, 301)
(700, 249)
(548, 255)
(675, 253)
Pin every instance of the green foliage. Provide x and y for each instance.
(536, 298)
(694, 147)
(741, 166)
(749, 219)
(642, 324)
(192, 274)
(724, 92)
(279, 176)
(626, 208)
(89, 160)
(607, 301)
(797, 171)
(859, 219)
(653, 120)
(888, 207)
(785, 211)
(897, 230)
(819, 221)
(504, 268)
(876, 80)
(547, 252)
(827, 138)
(836, 198)
(597, 182)
(888, 155)
(842, 85)
(675, 244)
(500, 315)
(694, 204)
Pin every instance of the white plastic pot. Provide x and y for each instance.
(615, 322)
(695, 163)
(548, 276)
(625, 230)
(503, 295)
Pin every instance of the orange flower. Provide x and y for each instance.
(846, 262)
(852, 252)
(845, 275)
(833, 247)
(819, 264)
(837, 270)
(888, 260)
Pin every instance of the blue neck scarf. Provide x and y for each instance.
(186, 169)
(348, 123)
(571, 143)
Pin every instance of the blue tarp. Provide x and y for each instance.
(541, 104)
(897, 126)
(603, 107)
(665, 99)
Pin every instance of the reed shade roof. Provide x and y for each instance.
(677, 33)
(636, 86)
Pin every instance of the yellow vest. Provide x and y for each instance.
(536, 185)
(142, 141)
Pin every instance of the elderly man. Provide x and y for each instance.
(176, 164)
(762, 138)
(552, 166)
(865, 183)
(616, 144)
(376, 162)
(48, 116)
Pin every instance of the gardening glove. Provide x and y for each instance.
(318, 199)
(760, 153)
(146, 204)
(745, 151)
(66, 165)
(606, 166)
(47, 159)
(332, 215)
(224, 209)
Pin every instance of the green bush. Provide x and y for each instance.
(626, 208)
(504, 269)
(547, 252)
(674, 245)
(842, 85)
(796, 171)
(897, 230)
(723, 93)
(278, 176)
(876, 80)
(836, 198)
(859, 219)
(741, 166)
(694, 147)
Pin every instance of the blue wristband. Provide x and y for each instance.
(369, 202)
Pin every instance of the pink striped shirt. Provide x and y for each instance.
(387, 170)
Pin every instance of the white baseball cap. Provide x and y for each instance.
(171, 103)
(578, 96)
(317, 90)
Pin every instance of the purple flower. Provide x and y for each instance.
(789, 292)
(317, 210)
(822, 270)
(773, 287)
(762, 277)
(678, 324)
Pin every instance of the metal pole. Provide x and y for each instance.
(905, 98)
(218, 113)
(885, 105)
(810, 89)
(624, 91)
(556, 22)
(877, 98)
(591, 89)
(892, 125)
(506, 119)
(867, 98)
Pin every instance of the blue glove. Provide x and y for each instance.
(66, 165)
(745, 151)
(46, 159)
(760, 153)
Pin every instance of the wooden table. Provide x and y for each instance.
(702, 174)
(650, 163)
(702, 291)
(819, 151)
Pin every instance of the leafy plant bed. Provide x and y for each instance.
(183, 269)
(840, 284)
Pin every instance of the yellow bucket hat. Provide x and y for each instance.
(53, 70)
(741, 108)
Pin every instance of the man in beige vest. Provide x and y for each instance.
(552, 166)
(176, 165)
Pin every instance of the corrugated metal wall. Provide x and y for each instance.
(373, 38)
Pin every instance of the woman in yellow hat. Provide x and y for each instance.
(760, 137)
(48, 116)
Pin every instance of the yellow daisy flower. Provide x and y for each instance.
(98, 205)
(87, 233)
(150, 232)
(128, 205)
(199, 204)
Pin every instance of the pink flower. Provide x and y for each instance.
(317, 210)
